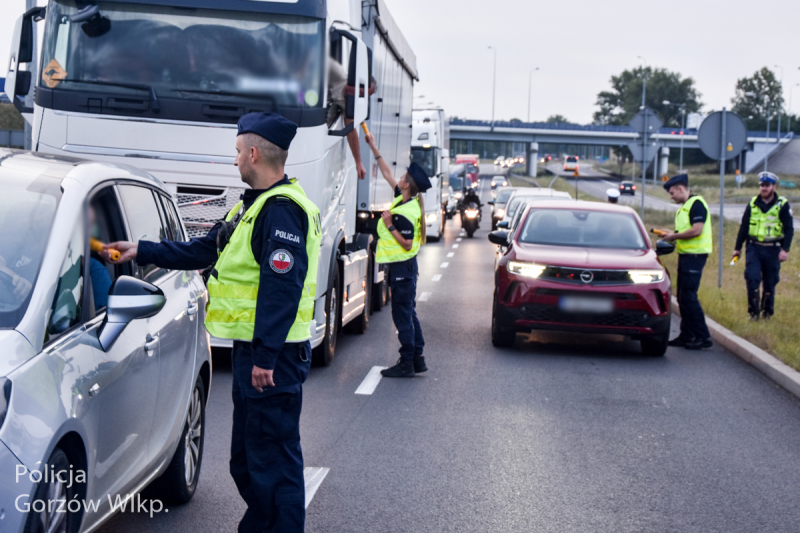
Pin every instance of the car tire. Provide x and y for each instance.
(46, 491)
(360, 324)
(501, 337)
(655, 346)
(323, 354)
(178, 483)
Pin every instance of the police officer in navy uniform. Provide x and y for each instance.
(768, 228)
(401, 232)
(265, 258)
(693, 242)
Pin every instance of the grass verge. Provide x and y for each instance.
(10, 118)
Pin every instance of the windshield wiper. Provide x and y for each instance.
(140, 86)
(224, 93)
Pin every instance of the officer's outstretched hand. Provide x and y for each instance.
(127, 251)
(262, 378)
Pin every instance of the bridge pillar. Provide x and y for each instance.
(663, 167)
(532, 159)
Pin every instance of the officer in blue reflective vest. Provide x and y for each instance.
(401, 232)
(263, 255)
(768, 228)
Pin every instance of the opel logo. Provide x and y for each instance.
(587, 276)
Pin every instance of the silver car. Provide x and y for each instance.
(104, 369)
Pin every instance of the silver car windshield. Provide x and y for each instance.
(27, 207)
(185, 53)
(502, 196)
(584, 228)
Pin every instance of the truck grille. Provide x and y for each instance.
(201, 208)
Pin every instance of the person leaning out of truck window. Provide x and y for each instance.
(401, 232)
(338, 90)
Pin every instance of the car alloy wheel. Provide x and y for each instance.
(192, 440)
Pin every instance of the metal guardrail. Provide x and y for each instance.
(12, 138)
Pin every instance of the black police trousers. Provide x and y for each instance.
(761, 264)
(404, 314)
(693, 320)
(266, 458)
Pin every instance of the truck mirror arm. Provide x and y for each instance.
(342, 132)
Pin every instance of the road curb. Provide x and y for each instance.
(776, 370)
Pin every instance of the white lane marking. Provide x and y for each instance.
(424, 297)
(371, 381)
(313, 477)
(444, 265)
(458, 240)
(437, 277)
(451, 254)
(455, 246)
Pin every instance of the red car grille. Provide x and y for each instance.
(598, 277)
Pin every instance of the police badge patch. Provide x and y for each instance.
(281, 261)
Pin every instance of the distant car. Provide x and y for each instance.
(571, 162)
(499, 161)
(583, 267)
(627, 187)
(105, 369)
(546, 158)
(524, 194)
(499, 204)
(499, 181)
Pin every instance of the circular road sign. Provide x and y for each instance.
(709, 136)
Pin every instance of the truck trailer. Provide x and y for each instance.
(161, 84)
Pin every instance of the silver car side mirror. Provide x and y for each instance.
(128, 299)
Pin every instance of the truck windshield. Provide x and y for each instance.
(426, 158)
(28, 205)
(185, 53)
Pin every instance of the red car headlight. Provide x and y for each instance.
(646, 276)
(525, 269)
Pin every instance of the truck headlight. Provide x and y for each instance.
(430, 218)
(646, 276)
(528, 270)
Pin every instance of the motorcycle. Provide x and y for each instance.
(470, 217)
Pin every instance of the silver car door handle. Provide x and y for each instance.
(192, 309)
(151, 343)
(94, 390)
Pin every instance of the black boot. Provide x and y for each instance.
(753, 303)
(419, 364)
(403, 369)
(699, 344)
(679, 342)
(766, 306)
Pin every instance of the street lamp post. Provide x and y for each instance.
(789, 119)
(780, 104)
(494, 81)
(682, 107)
(530, 76)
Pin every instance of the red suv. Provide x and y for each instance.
(586, 267)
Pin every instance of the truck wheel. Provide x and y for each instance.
(655, 346)
(179, 481)
(380, 294)
(323, 354)
(360, 324)
(54, 516)
(501, 337)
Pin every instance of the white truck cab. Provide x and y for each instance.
(430, 148)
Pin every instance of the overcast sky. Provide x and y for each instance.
(577, 45)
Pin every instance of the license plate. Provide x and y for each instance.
(578, 304)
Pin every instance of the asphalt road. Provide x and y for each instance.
(561, 433)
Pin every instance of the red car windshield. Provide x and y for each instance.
(584, 228)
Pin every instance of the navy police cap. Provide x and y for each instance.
(680, 179)
(276, 129)
(767, 177)
(419, 176)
